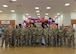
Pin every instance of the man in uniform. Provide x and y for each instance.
(3, 35)
(71, 37)
(55, 35)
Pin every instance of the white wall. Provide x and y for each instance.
(8, 16)
(59, 20)
(67, 19)
(73, 15)
(12, 16)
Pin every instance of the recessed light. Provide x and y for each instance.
(5, 5)
(56, 16)
(46, 13)
(12, 10)
(37, 11)
(0, 11)
(58, 13)
(48, 7)
(13, 0)
(67, 4)
(27, 14)
(36, 7)
(38, 14)
(46, 16)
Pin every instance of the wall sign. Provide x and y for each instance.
(5, 22)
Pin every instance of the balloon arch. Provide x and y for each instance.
(49, 21)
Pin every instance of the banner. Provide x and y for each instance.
(5, 22)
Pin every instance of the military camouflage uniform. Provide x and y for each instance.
(71, 37)
(3, 36)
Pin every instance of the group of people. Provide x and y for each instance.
(33, 36)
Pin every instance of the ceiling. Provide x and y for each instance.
(28, 6)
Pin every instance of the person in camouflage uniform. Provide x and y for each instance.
(20, 36)
(10, 36)
(7, 37)
(40, 33)
(3, 35)
(50, 35)
(71, 39)
(14, 34)
(60, 33)
(55, 35)
(26, 36)
(46, 35)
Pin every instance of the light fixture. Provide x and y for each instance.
(46, 13)
(27, 14)
(12, 10)
(48, 7)
(5, 5)
(36, 7)
(37, 11)
(67, 4)
(46, 16)
(13, 0)
(0, 11)
(38, 14)
(58, 14)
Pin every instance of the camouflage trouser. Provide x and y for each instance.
(55, 40)
(24, 40)
(36, 40)
(17, 41)
(3, 39)
(20, 41)
(71, 42)
(64, 38)
(13, 41)
(46, 39)
(10, 41)
(28, 40)
(6, 41)
(32, 39)
(49, 40)
(60, 40)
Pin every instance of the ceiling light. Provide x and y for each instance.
(37, 11)
(36, 7)
(13, 0)
(38, 14)
(0, 11)
(58, 13)
(48, 7)
(5, 5)
(67, 4)
(12, 10)
(56, 16)
(46, 16)
(46, 13)
(27, 14)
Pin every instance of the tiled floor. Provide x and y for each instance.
(37, 50)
